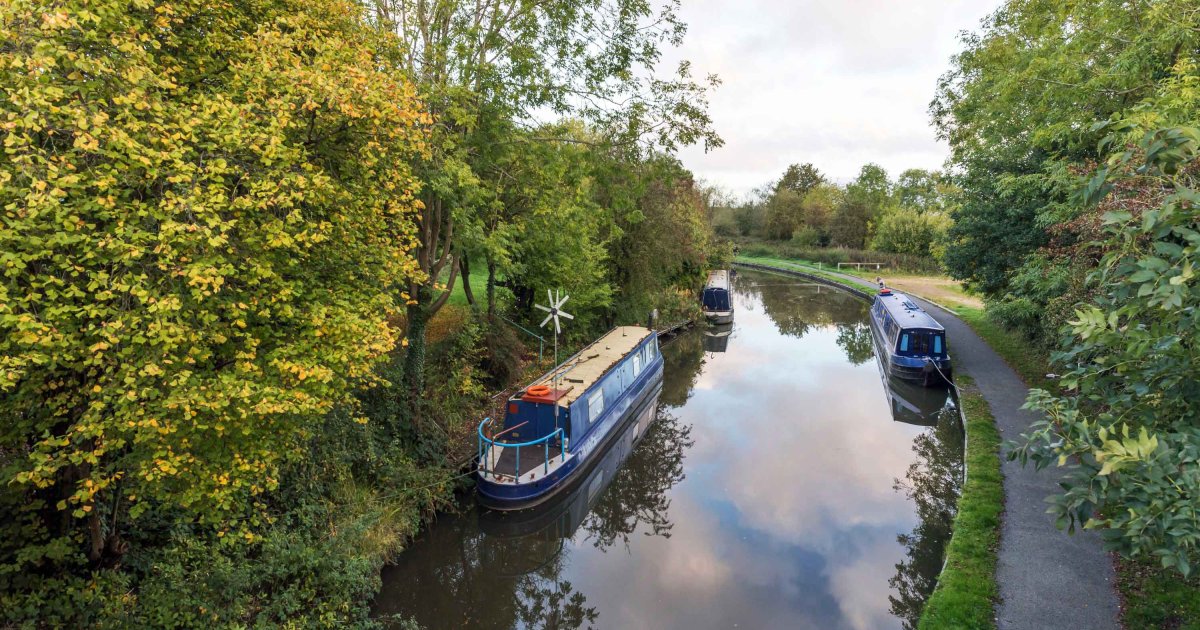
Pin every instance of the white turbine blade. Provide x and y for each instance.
(549, 298)
(544, 308)
(566, 314)
(543, 324)
(557, 330)
(564, 301)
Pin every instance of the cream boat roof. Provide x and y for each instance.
(584, 369)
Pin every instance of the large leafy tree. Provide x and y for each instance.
(486, 67)
(207, 207)
(1019, 102)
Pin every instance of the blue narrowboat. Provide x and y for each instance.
(717, 299)
(561, 517)
(913, 343)
(557, 428)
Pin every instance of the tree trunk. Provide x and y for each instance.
(465, 270)
(491, 287)
(414, 358)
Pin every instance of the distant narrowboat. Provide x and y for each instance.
(556, 429)
(913, 342)
(717, 299)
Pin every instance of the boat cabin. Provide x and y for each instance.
(909, 330)
(560, 418)
(717, 298)
(581, 387)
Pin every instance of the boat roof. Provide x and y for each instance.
(586, 368)
(718, 279)
(906, 312)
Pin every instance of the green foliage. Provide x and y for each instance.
(197, 256)
(1018, 108)
(1126, 425)
(1157, 598)
(907, 231)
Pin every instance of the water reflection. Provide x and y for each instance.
(933, 482)
(772, 491)
(716, 337)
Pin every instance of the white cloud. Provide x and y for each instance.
(835, 83)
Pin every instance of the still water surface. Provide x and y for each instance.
(782, 485)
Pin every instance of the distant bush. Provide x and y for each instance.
(908, 231)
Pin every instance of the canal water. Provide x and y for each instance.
(783, 484)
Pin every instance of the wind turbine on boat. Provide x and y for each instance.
(555, 312)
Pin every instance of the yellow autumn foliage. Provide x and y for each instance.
(207, 206)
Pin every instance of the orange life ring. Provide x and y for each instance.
(538, 390)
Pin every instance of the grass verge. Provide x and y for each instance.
(966, 589)
(781, 263)
(1157, 598)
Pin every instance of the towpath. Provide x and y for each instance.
(1047, 579)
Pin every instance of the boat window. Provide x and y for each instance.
(637, 364)
(920, 343)
(595, 405)
(904, 342)
(937, 344)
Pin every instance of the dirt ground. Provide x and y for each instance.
(941, 290)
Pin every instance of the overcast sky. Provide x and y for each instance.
(838, 83)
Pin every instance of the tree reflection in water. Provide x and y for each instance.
(855, 339)
(513, 576)
(810, 305)
(683, 357)
(932, 483)
(638, 494)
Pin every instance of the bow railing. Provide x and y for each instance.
(486, 444)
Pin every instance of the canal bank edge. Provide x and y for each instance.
(966, 591)
(1033, 558)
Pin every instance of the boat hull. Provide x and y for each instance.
(580, 460)
(719, 317)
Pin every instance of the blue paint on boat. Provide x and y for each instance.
(717, 299)
(913, 343)
(550, 440)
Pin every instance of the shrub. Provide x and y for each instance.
(907, 231)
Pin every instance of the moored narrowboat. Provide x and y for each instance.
(561, 516)
(717, 299)
(913, 343)
(557, 428)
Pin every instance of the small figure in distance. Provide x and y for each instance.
(879, 281)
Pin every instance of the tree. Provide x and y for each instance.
(908, 231)
(872, 188)
(208, 208)
(800, 179)
(850, 223)
(921, 190)
(1125, 422)
(783, 214)
(485, 68)
(1017, 108)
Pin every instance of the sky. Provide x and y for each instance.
(838, 83)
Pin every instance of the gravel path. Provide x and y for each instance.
(1047, 579)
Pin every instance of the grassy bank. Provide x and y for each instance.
(1155, 598)
(966, 589)
(796, 265)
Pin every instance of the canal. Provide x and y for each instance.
(783, 484)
